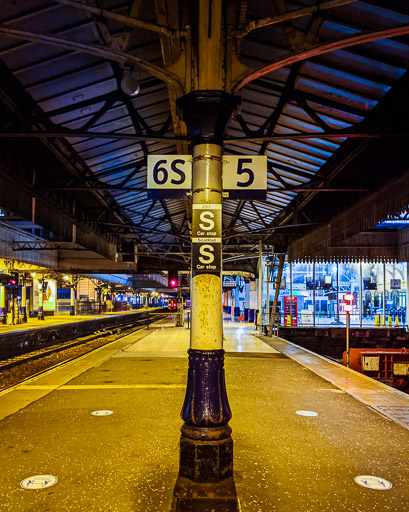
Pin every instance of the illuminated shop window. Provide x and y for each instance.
(317, 290)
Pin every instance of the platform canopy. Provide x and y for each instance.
(324, 95)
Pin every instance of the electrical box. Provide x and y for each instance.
(400, 369)
(370, 363)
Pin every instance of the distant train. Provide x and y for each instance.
(173, 305)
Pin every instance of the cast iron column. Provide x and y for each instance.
(72, 300)
(3, 314)
(206, 450)
(24, 301)
(40, 300)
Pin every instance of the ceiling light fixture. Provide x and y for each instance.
(130, 83)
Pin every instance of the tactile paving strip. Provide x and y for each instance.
(397, 413)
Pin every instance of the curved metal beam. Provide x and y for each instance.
(126, 20)
(264, 22)
(62, 134)
(337, 134)
(353, 40)
(97, 50)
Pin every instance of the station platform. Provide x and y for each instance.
(54, 320)
(128, 460)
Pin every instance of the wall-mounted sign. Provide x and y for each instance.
(170, 176)
(290, 311)
(229, 282)
(49, 293)
(395, 284)
(206, 238)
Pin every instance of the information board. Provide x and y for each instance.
(206, 238)
(290, 311)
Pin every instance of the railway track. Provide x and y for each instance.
(17, 369)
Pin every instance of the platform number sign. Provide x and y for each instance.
(169, 176)
(206, 238)
(244, 177)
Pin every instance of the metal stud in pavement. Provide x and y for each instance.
(38, 482)
(373, 482)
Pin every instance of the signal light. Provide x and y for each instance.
(348, 307)
(173, 280)
(9, 279)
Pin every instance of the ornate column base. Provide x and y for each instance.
(3, 316)
(72, 310)
(41, 313)
(206, 454)
(206, 446)
(24, 314)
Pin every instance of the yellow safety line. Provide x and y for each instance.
(104, 386)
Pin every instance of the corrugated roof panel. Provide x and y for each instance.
(371, 14)
(82, 94)
(68, 82)
(335, 94)
(362, 65)
(345, 80)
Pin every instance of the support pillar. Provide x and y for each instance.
(206, 446)
(337, 294)
(3, 313)
(260, 285)
(40, 300)
(384, 295)
(72, 300)
(24, 302)
(361, 298)
(98, 289)
(179, 317)
(313, 294)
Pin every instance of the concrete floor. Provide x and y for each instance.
(128, 461)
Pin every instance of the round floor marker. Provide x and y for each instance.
(306, 413)
(38, 482)
(373, 482)
(103, 412)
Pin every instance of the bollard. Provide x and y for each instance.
(383, 321)
(377, 322)
(396, 321)
(389, 321)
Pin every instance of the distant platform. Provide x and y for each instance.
(49, 320)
